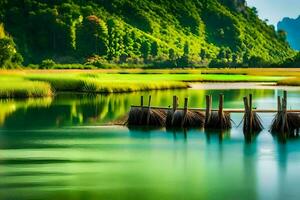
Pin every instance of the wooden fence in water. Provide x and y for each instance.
(286, 123)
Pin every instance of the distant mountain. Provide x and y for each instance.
(177, 32)
(292, 27)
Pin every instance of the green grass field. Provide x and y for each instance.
(37, 83)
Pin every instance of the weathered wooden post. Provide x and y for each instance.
(208, 108)
(220, 113)
(279, 106)
(250, 114)
(246, 119)
(284, 126)
(175, 103)
(142, 101)
(185, 105)
(148, 112)
(185, 109)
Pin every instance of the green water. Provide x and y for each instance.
(63, 148)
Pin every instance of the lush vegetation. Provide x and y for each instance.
(9, 58)
(16, 83)
(21, 88)
(159, 33)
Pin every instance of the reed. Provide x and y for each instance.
(25, 89)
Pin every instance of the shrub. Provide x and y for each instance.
(47, 64)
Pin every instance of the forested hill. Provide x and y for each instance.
(165, 32)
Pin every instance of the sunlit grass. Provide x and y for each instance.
(105, 84)
(37, 83)
(24, 89)
(295, 81)
(255, 71)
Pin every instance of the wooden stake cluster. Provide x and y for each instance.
(252, 122)
(285, 124)
(219, 119)
(183, 118)
(145, 116)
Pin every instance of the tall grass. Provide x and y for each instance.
(37, 83)
(95, 84)
(24, 89)
(295, 81)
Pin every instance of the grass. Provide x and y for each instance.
(295, 81)
(37, 83)
(24, 89)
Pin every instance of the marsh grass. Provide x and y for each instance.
(97, 83)
(36, 83)
(294, 81)
(24, 89)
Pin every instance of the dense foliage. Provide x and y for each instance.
(9, 58)
(155, 32)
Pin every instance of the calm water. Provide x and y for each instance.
(63, 148)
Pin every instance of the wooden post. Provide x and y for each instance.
(279, 106)
(148, 113)
(220, 113)
(208, 108)
(285, 97)
(246, 120)
(250, 114)
(142, 101)
(185, 109)
(185, 105)
(284, 126)
(175, 103)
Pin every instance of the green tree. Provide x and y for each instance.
(7, 51)
(129, 42)
(92, 36)
(145, 50)
(202, 54)
(154, 49)
(186, 49)
(115, 38)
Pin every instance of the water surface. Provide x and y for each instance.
(65, 148)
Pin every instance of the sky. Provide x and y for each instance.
(275, 10)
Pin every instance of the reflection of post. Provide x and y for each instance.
(174, 134)
(185, 134)
(282, 162)
(249, 169)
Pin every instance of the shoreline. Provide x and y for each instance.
(240, 85)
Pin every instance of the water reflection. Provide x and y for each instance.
(71, 109)
(53, 149)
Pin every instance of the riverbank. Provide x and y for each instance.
(37, 83)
